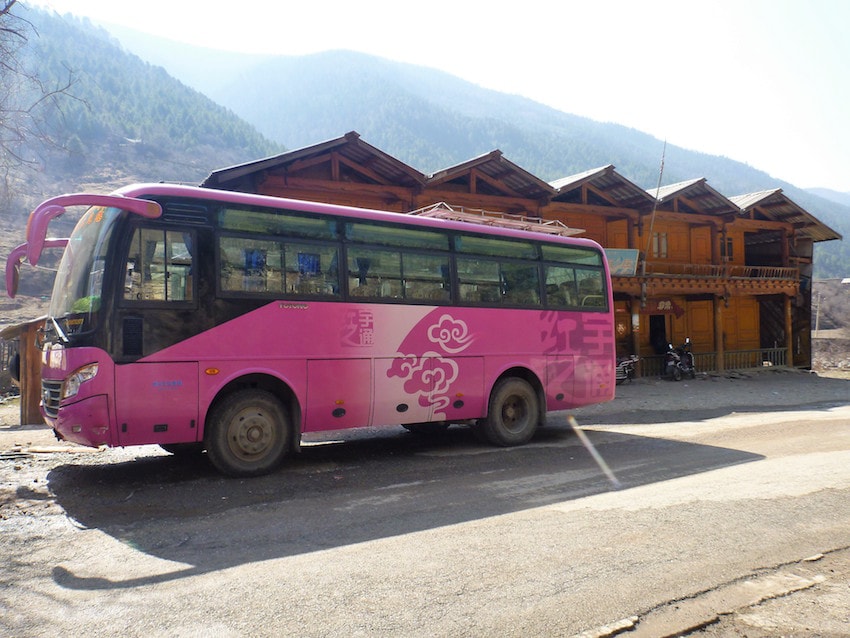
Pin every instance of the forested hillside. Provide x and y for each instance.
(121, 119)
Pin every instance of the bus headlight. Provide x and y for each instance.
(77, 378)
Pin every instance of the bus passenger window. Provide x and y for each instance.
(426, 277)
(590, 289)
(250, 265)
(374, 273)
(521, 284)
(179, 277)
(478, 281)
(561, 287)
(312, 269)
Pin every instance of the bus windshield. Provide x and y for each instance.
(79, 280)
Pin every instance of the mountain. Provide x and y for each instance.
(831, 195)
(426, 118)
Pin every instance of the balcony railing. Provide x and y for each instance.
(733, 360)
(722, 271)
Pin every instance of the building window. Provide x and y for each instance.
(659, 245)
(726, 249)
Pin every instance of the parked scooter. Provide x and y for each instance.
(626, 368)
(679, 362)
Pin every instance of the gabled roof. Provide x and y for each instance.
(774, 205)
(695, 196)
(378, 166)
(348, 158)
(500, 176)
(607, 184)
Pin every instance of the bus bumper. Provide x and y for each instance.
(85, 422)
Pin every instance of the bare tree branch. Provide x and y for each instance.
(27, 101)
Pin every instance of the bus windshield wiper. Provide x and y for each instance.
(62, 336)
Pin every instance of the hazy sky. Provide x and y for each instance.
(764, 82)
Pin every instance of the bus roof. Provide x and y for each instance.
(457, 220)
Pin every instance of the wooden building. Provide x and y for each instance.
(732, 273)
(20, 343)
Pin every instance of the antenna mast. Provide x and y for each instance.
(651, 224)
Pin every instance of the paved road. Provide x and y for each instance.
(391, 534)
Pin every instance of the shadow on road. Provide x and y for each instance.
(342, 493)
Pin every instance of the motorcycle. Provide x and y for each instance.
(626, 368)
(679, 361)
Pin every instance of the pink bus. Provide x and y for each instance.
(204, 320)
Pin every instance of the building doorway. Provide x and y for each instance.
(658, 333)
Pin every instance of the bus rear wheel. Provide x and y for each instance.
(247, 434)
(513, 414)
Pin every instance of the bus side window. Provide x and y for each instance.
(250, 265)
(478, 280)
(561, 287)
(426, 277)
(159, 266)
(312, 269)
(521, 284)
(374, 273)
(590, 289)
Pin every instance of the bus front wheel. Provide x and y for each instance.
(247, 434)
(513, 414)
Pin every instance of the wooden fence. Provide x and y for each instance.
(733, 360)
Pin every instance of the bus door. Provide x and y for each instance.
(156, 403)
(403, 389)
(339, 392)
(157, 308)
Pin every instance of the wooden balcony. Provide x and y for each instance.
(665, 278)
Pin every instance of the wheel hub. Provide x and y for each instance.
(512, 412)
(253, 434)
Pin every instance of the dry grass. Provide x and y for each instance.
(831, 327)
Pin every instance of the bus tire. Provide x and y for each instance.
(247, 433)
(513, 413)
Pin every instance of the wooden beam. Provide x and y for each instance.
(751, 225)
(300, 165)
(682, 285)
(600, 193)
(395, 198)
(363, 170)
(561, 208)
(493, 203)
(497, 184)
(30, 376)
(687, 218)
(789, 330)
(719, 346)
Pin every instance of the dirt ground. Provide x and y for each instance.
(820, 607)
